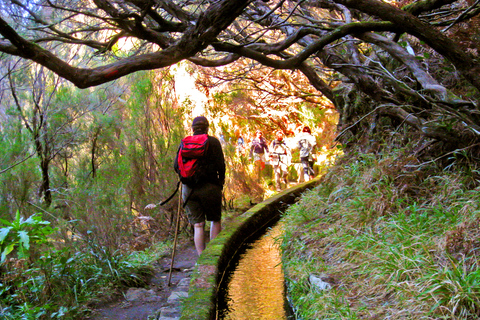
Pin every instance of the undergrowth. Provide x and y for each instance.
(40, 281)
(397, 240)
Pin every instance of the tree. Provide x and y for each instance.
(415, 64)
(37, 113)
(55, 118)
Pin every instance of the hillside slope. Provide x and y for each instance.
(394, 237)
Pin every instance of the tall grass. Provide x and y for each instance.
(395, 240)
(41, 282)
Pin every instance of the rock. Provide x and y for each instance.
(184, 284)
(141, 294)
(318, 283)
(169, 313)
(176, 296)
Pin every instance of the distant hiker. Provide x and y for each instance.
(223, 142)
(240, 146)
(307, 145)
(280, 158)
(203, 197)
(259, 152)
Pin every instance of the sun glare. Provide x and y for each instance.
(186, 91)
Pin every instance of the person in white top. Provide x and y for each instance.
(280, 158)
(307, 144)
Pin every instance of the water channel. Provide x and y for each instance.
(255, 289)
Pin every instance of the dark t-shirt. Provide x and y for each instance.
(215, 162)
(258, 146)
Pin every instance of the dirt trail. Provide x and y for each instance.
(140, 303)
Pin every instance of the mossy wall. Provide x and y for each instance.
(212, 263)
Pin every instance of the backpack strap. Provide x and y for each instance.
(170, 198)
(188, 197)
(174, 193)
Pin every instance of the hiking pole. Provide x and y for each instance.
(176, 234)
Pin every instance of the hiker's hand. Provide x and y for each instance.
(150, 206)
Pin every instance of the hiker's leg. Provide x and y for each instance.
(306, 175)
(285, 175)
(276, 172)
(215, 228)
(311, 171)
(299, 171)
(199, 236)
(212, 204)
(257, 170)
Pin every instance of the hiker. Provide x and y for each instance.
(307, 145)
(240, 149)
(203, 201)
(259, 152)
(280, 158)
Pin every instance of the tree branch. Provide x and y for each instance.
(314, 47)
(410, 24)
(17, 163)
(211, 22)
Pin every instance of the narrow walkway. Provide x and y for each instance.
(183, 266)
(172, 310)
(200, 302)
(157, 300)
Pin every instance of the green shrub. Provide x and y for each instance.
(59, 283)
(21, 233)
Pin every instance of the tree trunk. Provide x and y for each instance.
(94, 150)
(45, 187)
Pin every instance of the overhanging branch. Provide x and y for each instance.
(295, 61)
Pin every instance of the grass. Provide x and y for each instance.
(62, 283)
(395, 240)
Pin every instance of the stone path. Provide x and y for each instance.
(172, 310)
(158, 301)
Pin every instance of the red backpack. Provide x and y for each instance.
(190, 159)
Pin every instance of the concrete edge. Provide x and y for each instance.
(201, 301)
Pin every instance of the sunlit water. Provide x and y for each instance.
(256, 287)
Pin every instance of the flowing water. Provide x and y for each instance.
(256, 288)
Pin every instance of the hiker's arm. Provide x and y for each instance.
(175, 161)
(219, 159)
(221, 168)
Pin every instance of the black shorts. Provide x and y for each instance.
(205, 203)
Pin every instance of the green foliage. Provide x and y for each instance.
(21, 233)
(18, 172)
(456, 289)
(112, 151)
(389, 236)
(116, 268)
(60, 283)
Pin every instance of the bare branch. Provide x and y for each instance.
(17, 163)
(313, 48)
(469, 67)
